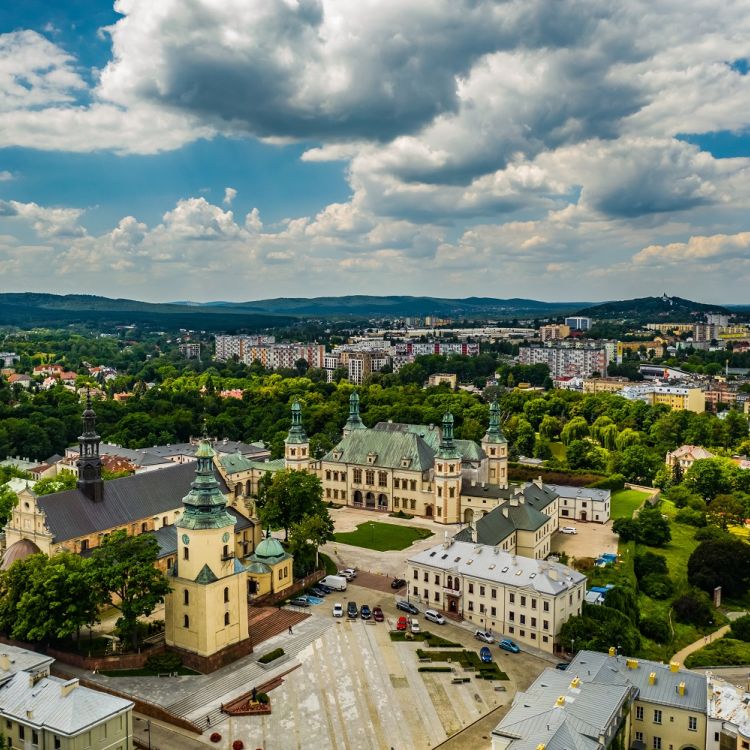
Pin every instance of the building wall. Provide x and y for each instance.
(114, 734)
(673, 729)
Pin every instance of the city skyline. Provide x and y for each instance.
(247, 150)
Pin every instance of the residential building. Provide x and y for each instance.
(604, 385)
(359, 363)
(652, 347)
(190, 350)
(676, 397)
(717, 319)
(526, 599)
(705, 332)
(284, 356)
(8, 359)
(228, 347)
(572, 361)
(686, 455)
(38, 710)
(728, 716)
(670, 327)
(554, 332)
(438, 378)
(659, 706)
(19, 379)
(582, 503)
(578, 323)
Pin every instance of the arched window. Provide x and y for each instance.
(450, 582)
(186, 597)
(144, 527)
(185, 621)
(226, 593)
(226, 618)
(225, 552)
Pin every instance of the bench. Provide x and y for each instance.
(499, 688)
(424, 659)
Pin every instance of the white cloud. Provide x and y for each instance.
(229, 195)
(6, 176)
(46, 222)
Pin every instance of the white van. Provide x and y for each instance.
(434, 616)
(337, 583)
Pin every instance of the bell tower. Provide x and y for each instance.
(89, 462)
(495, 447)
(355, 421)
(296, 443)
(206, 611)
(447, 476)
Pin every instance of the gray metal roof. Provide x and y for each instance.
(593, 494)
(42, 704)
(71, 514)
(22, 659)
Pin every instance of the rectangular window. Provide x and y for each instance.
(416, 574)
(415, 591)
(471, 588)
(512, 598)
(328, 475)
(546, 606)
(533, 622)
(522, 619)
(639, 736)
(657, 743)
(413, 487)
(693, 723)
(21, 732)
(437, 578)
(545, 625)
(657, 716)
(481, 591)
(426, 576)
(493, 612)
(533, 603)
(358, 476)
(523, 601)
(437, 596)
(493, 593)
(511, 615)
(395, 502)
(639, 713)
(471, 606)
(58, 744)
(369, 476)
(426, 595)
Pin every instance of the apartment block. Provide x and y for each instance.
(567, 361)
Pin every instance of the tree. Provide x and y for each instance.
(8, 501)
(723, 562)
(656, 628)
(525, 438)
(637, 463)
(550, 427)
(627, 438)
(653, 528)
(314, 530)
(681, 495)
(291, 496)
(725, 510)
(584, 454)
(741, 628)
(123, 573)
(693, 608)
(64, 481)
(710, 477)
(576, 429)
(626, 529)
(648, 563)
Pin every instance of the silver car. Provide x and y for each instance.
(484, 635)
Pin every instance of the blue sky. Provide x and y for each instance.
(241, 149)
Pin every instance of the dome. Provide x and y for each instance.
(269, 548)
(258, 568)
(18, 551)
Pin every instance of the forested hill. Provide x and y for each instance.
(28, 309)
(652, 308)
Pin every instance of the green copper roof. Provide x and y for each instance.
(206, 575)
(469, 450)
(269, 552)
(494, 432)
(388, 450)
(296, 431)
(234, 463)
(205, 505)
(447, 446)
(355, 421)
(258, 568)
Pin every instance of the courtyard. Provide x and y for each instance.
(383, 536)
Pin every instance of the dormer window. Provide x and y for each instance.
(372, 457)
(405, 462)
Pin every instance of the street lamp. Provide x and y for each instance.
(148, 729)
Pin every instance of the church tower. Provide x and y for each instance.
(89, 461)
(447, 476)
(206, 611)
(355, 421)
(296, 443)
(495, 447)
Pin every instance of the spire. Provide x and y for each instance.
(205, 505)
(355, 421)
(494, 432)
(447, 446)
(296, 431)
(89, 461)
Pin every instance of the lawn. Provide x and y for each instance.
(722, 652)
(382, 536)
(626, 502)
(468, 660)
(145, 672)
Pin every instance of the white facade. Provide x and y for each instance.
(578, 323)
(582, 504)
(566, 361)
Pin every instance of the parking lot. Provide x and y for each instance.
(590, 539)
(358, 689)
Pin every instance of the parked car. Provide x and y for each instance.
(352, 611)
(485, 654)
(349, 573)
(402, 623)
(365, 612)
(323, 587)
(338, 609)
(405, 606)
(434, 616)
(562, 666)
(484, 635)
(398, 583)
(300, 601)
(377, 614)
(569, 530)
(509, 645)
(316, 591)
(414, 625)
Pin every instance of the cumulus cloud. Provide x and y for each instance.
(46, 222)
(718, 247)
(229, 195)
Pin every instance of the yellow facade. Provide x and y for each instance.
(604, 385)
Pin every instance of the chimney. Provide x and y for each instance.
(631, 663)
(5, 662)
(68, 687)
(560, 702)
(652, 678)
(538, 482)
(505, 512)
(681, 688)
(514, 501)
(674, 666)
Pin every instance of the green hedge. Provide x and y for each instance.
(271, 655)
(435, 669)
(573, 478)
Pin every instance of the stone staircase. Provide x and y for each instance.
(266, 622)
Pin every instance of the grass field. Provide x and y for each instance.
(626, 502)
(383, 536)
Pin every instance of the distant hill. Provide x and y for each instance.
(664, 308)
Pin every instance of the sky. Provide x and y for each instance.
(561, 150)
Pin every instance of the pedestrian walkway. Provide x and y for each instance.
(683, 653)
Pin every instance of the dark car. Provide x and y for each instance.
(300, 601)
(377, 614)
(317, 591)
(352, 611)
(407, 607)
(365, 612)
(324, 588)
(398, 583)
(485, 654)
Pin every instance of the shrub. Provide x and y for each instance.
(166, 662)
(262, 698)
(691, 517)
(648, 563)
(614, 482)
(215, 737)
(741, 628)
(692, 608)
(400, 514)
(435, 669)
(724, 562)
(238, 745)
(657, 586)
(711, 534)
(271, 655)
(722, 652)
(584, 564)
(656, 628)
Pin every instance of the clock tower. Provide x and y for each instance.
(206, 611)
